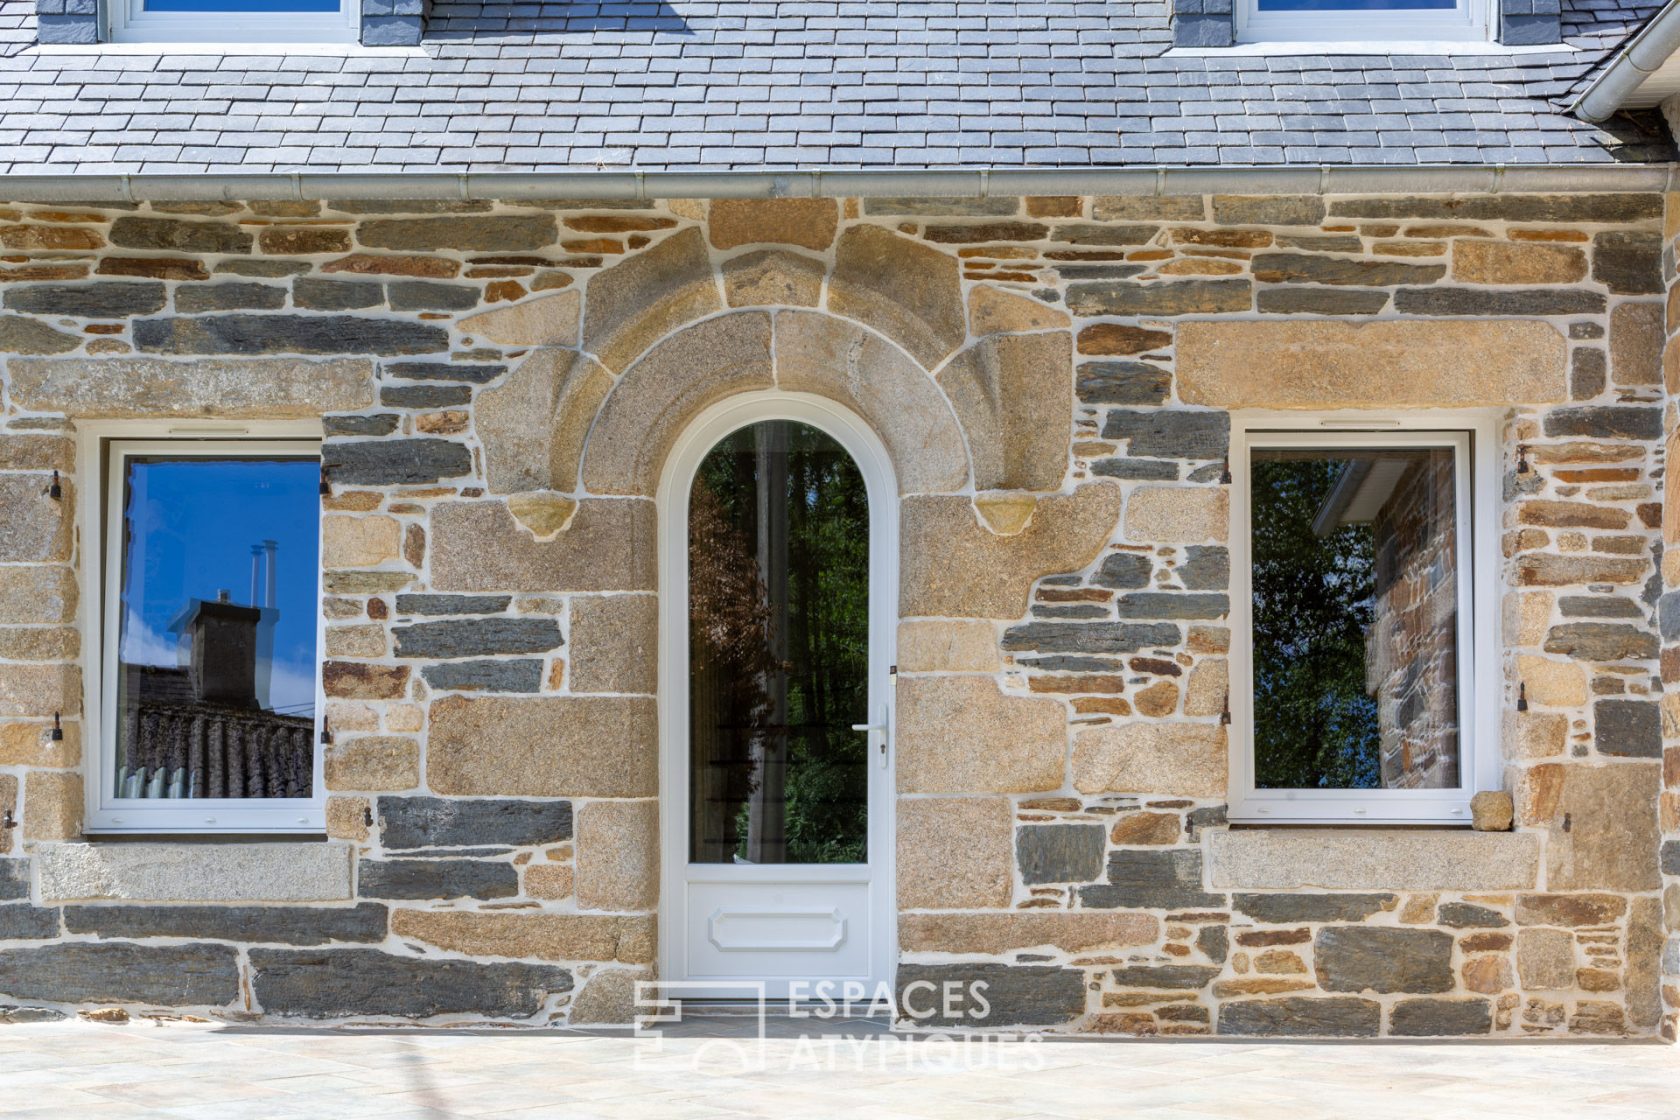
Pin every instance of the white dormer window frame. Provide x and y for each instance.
(134, 21)
(1468, 21)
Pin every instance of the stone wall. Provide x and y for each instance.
(500, 384)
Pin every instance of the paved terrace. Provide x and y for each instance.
(149, 1071)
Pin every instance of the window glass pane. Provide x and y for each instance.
(1355, 619)
(217, 625)
(778, 569)
(243, 7)
(1356, 5)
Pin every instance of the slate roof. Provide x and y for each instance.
(755, 84)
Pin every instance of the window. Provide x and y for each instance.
(1361, 596)
(1353, 21)
(205, 708)
(234, 21)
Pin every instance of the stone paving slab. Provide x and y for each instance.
(146, 1070)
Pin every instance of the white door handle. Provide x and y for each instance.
(872, 728)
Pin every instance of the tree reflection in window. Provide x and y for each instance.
(778, 650)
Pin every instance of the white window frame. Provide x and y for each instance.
(130, 22)
(1475, 437)
(1469, 22)
(103, 448)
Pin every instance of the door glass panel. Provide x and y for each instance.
(778, 617)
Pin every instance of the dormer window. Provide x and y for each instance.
(234, 21)
(1358, 21)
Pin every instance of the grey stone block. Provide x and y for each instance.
(1420, 1018)
(20, 921)
(1124, 569)
(425, 396)
(1091, 637)
(1060, 853)
(477, 373)
(1011, 995)
(1166, 879)
(438, 878)
(289, 925)
(1378, 959)
(1302, 1017)
(1173, 604)
(253, 333)
(107, 299)
(1171, 433)
(452, 604)
(1628, 728)
(477, 637)
(339, 983)
(446, 822)
(1285, 909)
(119, 972)
(14, 879)
(509, 675)
(395, 462)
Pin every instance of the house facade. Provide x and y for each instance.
(1184, 560)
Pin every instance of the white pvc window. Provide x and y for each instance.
(1364, 677)
(205, 709)
(234, 21)
(1359, 21)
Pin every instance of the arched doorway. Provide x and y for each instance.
(778, 539)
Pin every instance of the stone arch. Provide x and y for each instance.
(795, 350)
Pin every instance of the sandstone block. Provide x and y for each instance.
(34, 528)
(1014, 398)
(1636, 344)
(844, 362)
(1546, 959)
(953, 565)
(609, 546)
(52, 805)
(1553, 684)
(549, 881)
(618, 855)
(608, 997)
(1477, 261)
(359, 540)
(1072, 932)
(1604, 829)
(543, 747)
(964, 735)
(1145, 828)
(1181, 759)
(908, 291)
(955, 853)
(535, 423)
(373, 763)
(543, 321)
(532, 936)
(998, 311)
(1333, 364)
(354, 680)
(213, 872)
(643, 297)
(615, 643)
(806, 222)
(22, 335)
(1491, 811)
(37, 595)
(1163, 514)
(947, 646)
(124, 387)
(1372, 859)
(664, 390)
(40, 690)
(773, 277)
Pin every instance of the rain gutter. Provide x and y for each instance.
(1643, 56)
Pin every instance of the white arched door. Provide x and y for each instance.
(778, 536)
